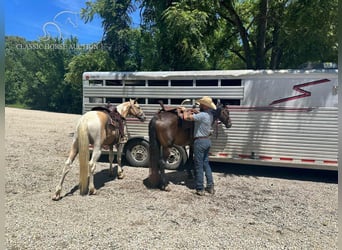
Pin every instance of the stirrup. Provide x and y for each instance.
(123, 139)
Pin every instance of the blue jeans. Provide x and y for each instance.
(201, 162)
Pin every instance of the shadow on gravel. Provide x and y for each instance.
(181, 178)
(100, 179)
(254, 171)
(325, 176)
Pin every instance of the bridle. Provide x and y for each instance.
(135, 110)
(222, 114)
(225, 117)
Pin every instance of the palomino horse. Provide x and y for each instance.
(167, 129)
(99, 127)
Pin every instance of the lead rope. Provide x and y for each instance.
(216, 128)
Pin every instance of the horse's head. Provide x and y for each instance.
(222, 113)
(135, 110)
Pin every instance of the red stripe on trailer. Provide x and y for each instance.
(244, 156)
(267, 109)
(285, 159)
(307, 160)
(298, 88)
(262, 157)
(330, 162)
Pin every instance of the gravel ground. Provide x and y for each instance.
(250, 210)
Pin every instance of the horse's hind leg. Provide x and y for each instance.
(164, 183)
(66, 169)
(119, 148)
(92, 166)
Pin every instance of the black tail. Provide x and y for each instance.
(154, 151)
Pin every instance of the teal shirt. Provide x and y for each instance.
(203, 121)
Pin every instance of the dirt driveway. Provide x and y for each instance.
(249, 210)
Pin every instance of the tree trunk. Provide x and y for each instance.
(242, 32)
(261, 23)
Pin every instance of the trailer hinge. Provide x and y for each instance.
(335, 90)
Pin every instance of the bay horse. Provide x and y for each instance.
(99, 127)
(166, 129)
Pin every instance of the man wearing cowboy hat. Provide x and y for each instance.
(202, 143)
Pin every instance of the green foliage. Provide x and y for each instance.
(186, 28)
(173, 35)
(116, 23)
(251, 34)
(47, 75)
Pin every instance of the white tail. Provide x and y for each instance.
(83, 147)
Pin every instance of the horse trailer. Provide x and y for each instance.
(280, 118)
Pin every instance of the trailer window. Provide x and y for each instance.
(230, 101)
(180, 83)
(206, 82)
(231, 82)
(95, 99)
(95, 82)
(135, 82)
(113, 82)
(158, 83)
(178, 101)
(156, 100)
(114, 100)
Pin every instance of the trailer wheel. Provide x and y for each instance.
(137, 153)
(177, 158)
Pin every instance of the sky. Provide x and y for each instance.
(39, 19)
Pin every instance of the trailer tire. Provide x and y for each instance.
(137, 153)
(177, 159)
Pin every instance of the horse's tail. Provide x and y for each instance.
(83, 147)
(154, 151)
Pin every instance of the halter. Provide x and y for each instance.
(225, 119)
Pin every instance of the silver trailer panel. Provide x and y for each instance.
(285, 118)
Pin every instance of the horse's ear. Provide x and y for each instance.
(133, 100)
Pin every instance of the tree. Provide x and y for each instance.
(17, 77)
(96, 60)
(262, 34)
(116, 24)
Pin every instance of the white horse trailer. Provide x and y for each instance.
(280, 118)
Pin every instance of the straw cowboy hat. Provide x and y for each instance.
(207, 101)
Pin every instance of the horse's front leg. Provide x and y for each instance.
(120, 172)
(111, 159)
(66, 169)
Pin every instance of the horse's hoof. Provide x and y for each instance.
(121, 175)
(56, 197)
(166, 188)
(92, 192)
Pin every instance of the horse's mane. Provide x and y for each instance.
(109, 108)
(100, 108)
